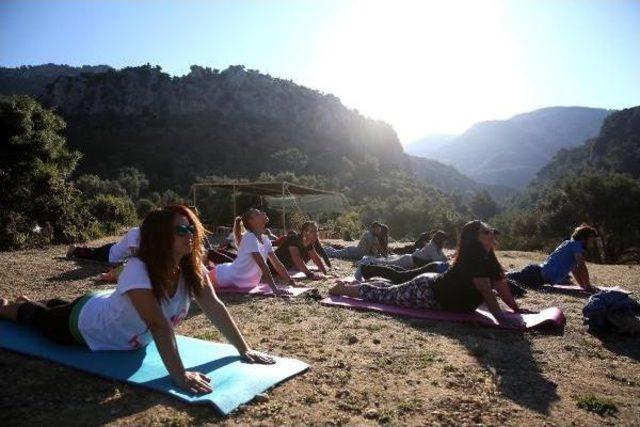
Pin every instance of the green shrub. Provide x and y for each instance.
(596, 405)
(347, 226)
(112, 212)
(39, 204)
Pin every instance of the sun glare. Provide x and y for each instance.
(422, 65)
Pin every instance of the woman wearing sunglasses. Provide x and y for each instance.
(470, 281)
(152, 298)
(254, 249)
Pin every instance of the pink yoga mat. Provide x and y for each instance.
(547, 317)
(261, 289)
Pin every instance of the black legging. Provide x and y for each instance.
(100, 254)
(396, 274)
(50, 318)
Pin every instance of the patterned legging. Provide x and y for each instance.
(416, 293)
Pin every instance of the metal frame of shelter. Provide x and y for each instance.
(263, 189)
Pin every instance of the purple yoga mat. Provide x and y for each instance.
(261, 289)
(577, 290)
(547, 317)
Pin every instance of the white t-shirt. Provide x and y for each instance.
(111, 322)
(244, 272)
(126, 247)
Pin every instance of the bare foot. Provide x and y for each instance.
(23, 298)
(3, 302)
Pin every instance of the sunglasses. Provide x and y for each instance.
(182, 230)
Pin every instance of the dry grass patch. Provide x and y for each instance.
(366, 368)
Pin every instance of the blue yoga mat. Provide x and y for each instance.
(234, 382)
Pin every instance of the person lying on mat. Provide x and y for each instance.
(470, 281)
(422, 240)
(296, 249)
(111, 253)
(253, 251)
(151, 299)
(567, 257)
(432, 251)
(369, 245)
(428, 254)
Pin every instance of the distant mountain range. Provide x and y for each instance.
(212, 122)
(511, 152)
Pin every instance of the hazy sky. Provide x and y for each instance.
(422, 66)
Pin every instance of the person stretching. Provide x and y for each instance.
(430, 253)
(369, 245)
(470, 281)
(254, 249)
(151, 299)
(567, 257)
(111, 253)
(296, 249)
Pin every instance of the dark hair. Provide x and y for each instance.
(308, 224)
(583, 232)
(469, 247)
(157, 233)
(439, 237)
(384, 237)
(243, 221)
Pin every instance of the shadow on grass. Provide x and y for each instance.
(82, 270)
(507, 356)
(621, 345)
(58, 395)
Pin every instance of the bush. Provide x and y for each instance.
(112, 212)
(38, 203)
(347, 226)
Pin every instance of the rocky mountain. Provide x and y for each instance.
(33, 80)
(510, 152)
(235, 122)
(615, 149)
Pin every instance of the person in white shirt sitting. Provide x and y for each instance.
(152, 297)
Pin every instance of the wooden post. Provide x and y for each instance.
(284, 218)
(235, 214)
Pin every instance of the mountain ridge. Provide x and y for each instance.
(513, 150)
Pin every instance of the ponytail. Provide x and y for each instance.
(242, 222)
(237, 231)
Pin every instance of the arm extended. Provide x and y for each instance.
(149, 310)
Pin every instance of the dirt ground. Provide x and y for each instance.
(366, 369)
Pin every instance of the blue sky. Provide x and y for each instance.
(422, 66)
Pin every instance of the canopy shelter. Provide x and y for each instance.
(282, 195)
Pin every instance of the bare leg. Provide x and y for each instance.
(344, 289)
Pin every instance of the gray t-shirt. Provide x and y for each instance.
(369, 244)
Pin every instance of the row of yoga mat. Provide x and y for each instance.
(234, 381)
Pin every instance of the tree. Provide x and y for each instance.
(35, 165)
(483, 206)
(132, 181)
(292, 160)
(608, 201)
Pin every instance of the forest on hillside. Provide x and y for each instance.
(97, 149)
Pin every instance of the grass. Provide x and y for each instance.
(597, 405)
(395, 372)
